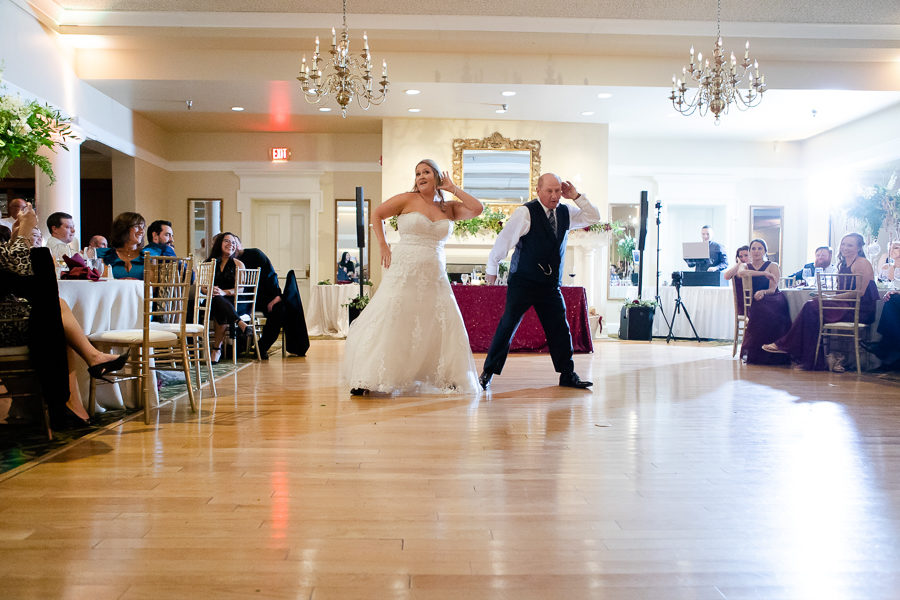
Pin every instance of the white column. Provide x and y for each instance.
(65, 194)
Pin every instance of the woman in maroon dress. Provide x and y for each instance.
(769, 317)
(800, 341)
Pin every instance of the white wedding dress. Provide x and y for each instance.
(411, 336)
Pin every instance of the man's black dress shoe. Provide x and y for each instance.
(485, 379)
(573, 380)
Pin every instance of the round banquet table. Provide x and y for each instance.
(100, 306)
(327, 313)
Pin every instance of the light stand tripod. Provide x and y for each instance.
(659, 305)
(679, 305)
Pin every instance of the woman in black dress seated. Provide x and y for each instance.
(346, 270)
(224, 247)
(800, 342)
(769, 317)
(43, 321)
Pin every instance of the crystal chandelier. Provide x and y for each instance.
(345, 76)
(718, 84)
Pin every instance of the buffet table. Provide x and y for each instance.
(101, 306)
(482, 306)
(327, 313)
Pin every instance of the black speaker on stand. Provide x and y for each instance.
(636, 322)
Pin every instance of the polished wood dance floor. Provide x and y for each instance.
(682, 475)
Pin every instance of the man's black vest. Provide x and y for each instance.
(539, 254)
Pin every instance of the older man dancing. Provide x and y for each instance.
(538, 230)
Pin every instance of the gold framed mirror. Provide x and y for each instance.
(496, 169)
(345, 241)
(767, 223)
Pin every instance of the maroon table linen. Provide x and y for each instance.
(482, 306)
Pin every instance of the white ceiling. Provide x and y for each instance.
(840, 59)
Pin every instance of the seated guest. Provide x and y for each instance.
(346, 270)
(822, 261)
(800, 341)
(14, 205)
(281, 310)
(62, 234)
(887, 349)
(717, 260)
(769, 316)
(125, 257)
(98, 241)
(5, 234)
(162, 239)
(224, 247)
(46, 325)
(741, 257)
(889, 262)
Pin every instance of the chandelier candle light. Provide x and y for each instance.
(345, 76)
(718, 84)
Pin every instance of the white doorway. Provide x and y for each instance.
(281, 230)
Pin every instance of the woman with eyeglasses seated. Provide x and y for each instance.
(44, 322)
(889, 265)
(769, 317)
(224, 248)
(800, 341)
(126, 241)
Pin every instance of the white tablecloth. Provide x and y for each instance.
(99, 306)
(711, 310)
(326, 314)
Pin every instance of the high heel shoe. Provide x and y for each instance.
(67, 419)
(219, 357)
(100, 370)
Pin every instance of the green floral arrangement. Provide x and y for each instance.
(502, 268)
(626, 246)
(324, 282)
(25, 128)
(358, 302)
(613, 227)
(490, 221)
(874, 206)
(642, 303)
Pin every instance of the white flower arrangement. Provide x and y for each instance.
(25, 128)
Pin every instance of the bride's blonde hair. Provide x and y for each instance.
(438, 180)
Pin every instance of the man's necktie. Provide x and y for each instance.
(551, 216)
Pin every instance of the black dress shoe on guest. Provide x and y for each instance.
(485, 379)
(100, 370)
(574, 381)
(69, 420)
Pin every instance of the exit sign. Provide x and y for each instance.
(280, 154)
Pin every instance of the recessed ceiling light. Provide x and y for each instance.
(587, 113)
(324, 109)
(413, 92)
(604, 95)
(237, 108)
(414, 110)
(508, 93)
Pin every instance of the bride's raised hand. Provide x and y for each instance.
(447, 183)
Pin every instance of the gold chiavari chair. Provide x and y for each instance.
(839, 294)
(161, 343)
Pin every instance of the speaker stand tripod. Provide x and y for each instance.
(679, 306)
(659, 305)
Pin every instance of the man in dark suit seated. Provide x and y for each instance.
(717, 260)
(823, 261)
(281, 310)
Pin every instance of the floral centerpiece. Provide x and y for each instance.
(25, 128)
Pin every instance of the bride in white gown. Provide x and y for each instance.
(411, 336)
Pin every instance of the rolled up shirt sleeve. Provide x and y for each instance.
(584, 214)
(518, 224)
